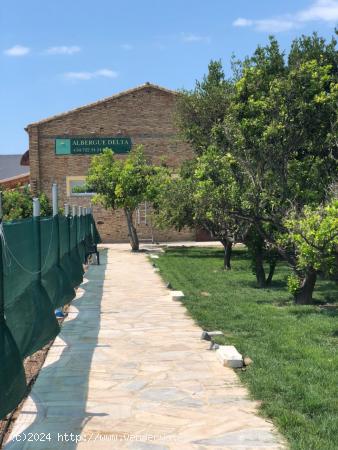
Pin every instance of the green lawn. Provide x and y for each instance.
(294, 348)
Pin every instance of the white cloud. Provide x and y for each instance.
(17, 50)
(320, 10)
(107, 73)
(241, 22)
(191, 38)
(127, 47)
(275, 25)
(267, 25)
(63, 50)
(326, 10)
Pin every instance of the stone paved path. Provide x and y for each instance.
(129, 371)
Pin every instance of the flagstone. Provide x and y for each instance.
(129, 363)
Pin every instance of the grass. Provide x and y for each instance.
(293, 348)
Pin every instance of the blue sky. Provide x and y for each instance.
(59, 54)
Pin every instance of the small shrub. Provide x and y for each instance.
(293, 284)
(18, 204)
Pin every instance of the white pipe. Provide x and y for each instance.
(55, 199)
(36, 207)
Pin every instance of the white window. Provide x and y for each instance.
(76, 186)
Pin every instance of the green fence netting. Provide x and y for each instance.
(94, 234)
(12, 375)
(54, 279)
(77, 268)
(41, 261)
(81, 237)
(29, 311)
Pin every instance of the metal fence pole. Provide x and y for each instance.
(55, 202)
(55, 199)
(80, 223)
(37, 238)
(74, 224)
(67, 215)
(36, 207)
(58, 311)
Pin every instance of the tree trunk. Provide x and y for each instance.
(259, 270)
(227, 244)
(271, 272)
(335, 275)
(304, 295)
(132, 233)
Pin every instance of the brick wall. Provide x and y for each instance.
(144, 114)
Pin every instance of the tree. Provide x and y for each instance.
(200, 117)
(201, 109)
(216, 191)
(200, 196)
(199, 112)
(260, 251)
(122, 183)
(314, 234)
(18, 203)
(281, 127)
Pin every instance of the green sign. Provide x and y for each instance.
(92, 145)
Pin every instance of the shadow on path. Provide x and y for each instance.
(56, 411)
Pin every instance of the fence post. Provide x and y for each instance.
(86, 221)
(56, 218)
(91, 224)
(79, 213)
(67, 214)
(79, 231)
(55, 199)
(36, 238)
(58, 311)
(74, 216)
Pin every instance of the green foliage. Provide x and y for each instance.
(216, 193)
(283, 128)
(18, 203)
(314, 233)
(123, 183)
(260, 251)
(201, 195)
(277, 118)
(82, 189)
(293, 284)
(199, 111)
(174, 203)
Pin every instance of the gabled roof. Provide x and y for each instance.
(106, 99)
(10, 166)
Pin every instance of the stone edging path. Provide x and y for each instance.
(129, 371)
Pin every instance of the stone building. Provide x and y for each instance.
(60, 149)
